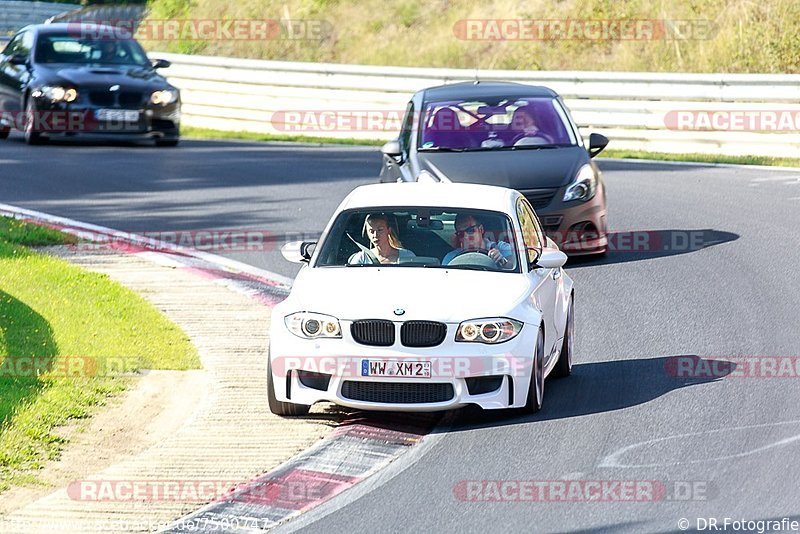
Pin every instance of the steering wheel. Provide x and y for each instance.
(539, 135)
(479, 256)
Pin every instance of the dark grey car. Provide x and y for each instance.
(510, 135)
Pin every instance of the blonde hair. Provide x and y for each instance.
(372, 217)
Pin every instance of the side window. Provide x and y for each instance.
(27, 44)
(531, 231)
(13, 46)
(408, 125)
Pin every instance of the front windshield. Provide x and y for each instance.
(76, 50)
(489, 124)
(421, 237)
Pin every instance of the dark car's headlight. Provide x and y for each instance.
(583, 186)
(310, 325)
(490, 330)
(57, 93)
(164, 97)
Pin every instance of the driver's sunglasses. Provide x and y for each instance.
(468, 230)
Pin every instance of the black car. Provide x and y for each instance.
(511, 135)
(75, 79)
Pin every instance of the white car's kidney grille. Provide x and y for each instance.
(422, 333)
(397, 393)
(375, 332)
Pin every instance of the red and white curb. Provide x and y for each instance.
(265, 286)
(353, 452)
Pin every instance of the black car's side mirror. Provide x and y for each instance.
(18, 59)
(597, 142)
(160, 63)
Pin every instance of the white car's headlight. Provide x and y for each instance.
(167, 96)
(56, 93)
(490, 330)
(583, 186)
(309, 325)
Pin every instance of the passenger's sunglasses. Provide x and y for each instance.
(468, 230)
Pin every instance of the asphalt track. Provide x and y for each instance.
(719, 446)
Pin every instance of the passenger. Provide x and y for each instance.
(470, 236)
(386, 247)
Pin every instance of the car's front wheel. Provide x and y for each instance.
(564, 365)
(536, 389)
(279, 407)
(4, 131)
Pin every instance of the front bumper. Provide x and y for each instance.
(578, 228)
(85, 120)
(454, 368)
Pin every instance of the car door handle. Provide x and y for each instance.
(556, 274)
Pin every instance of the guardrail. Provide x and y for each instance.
(14, 14)
(636, 110)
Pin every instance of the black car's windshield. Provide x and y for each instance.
(484, 124)
(77, 50)
(421, 237)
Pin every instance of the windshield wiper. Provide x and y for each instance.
(532, 147)
(441, 149)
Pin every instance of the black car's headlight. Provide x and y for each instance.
(490, 330)
(583, 186)
(57, 93)
(164, 97)
(310, 325)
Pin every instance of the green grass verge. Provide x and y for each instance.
(205, 133)
(69, 339)
(702, 158)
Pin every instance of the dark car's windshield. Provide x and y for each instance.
(421, 237)
(77, 50)
(494, 124)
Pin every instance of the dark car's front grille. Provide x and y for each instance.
(375, 332)
(102, 98)
(422, 333)
(539, 198)
(130, 99)
(397, 393)
(124, 99)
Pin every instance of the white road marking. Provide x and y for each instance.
(613, 459)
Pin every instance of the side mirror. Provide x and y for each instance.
(392, 149)
(551, 258)
(597, 142)
(18, 59)
(160, 63)
(298, 251)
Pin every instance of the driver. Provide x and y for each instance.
(108, 51)
(470, 236)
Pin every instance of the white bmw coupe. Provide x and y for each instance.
(423, 297)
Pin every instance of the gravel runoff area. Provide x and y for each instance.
(176, 439)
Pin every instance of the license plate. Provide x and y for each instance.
(396, 368)
(117, 115)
